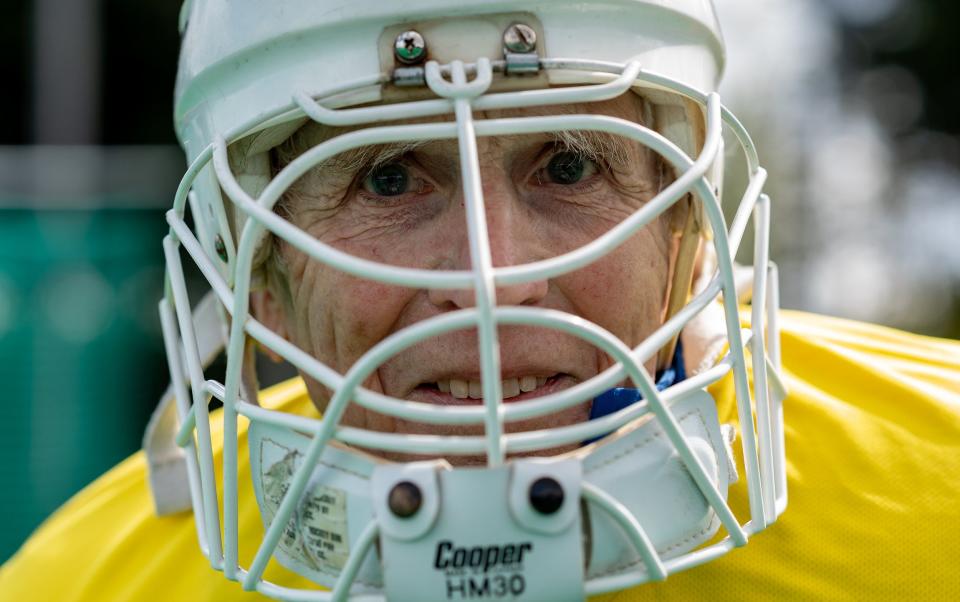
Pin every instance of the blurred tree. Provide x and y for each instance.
(916, 46)
(920, 36)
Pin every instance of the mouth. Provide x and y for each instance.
(457, 391)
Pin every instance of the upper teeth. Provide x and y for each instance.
(511, 387)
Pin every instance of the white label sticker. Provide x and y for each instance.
(316, 534)
(323, 526)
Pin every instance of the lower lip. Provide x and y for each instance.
(437, 397)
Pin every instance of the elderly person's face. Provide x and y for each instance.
(404, 206)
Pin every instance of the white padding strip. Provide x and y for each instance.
(166, 461)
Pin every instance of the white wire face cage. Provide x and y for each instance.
(643, 502)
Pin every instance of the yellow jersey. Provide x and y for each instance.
(872, 429)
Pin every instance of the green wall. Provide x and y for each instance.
(81, 357)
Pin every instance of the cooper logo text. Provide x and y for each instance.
(490, 571)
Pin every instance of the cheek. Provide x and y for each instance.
(340, 316)
(624, 291)
(363, 312)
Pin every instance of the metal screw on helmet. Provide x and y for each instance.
(546, 495)
(520, 38)
(410, 48)
(220, 248)
(405, 499)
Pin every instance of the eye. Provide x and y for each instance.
(567, 168)
(392, 179)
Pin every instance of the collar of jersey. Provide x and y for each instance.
(619, 398)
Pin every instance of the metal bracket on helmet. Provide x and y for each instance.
(511, 41)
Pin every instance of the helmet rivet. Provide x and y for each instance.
(220, 248)
(405, 499)
(409, 47)
(546, 495)
(520, 38)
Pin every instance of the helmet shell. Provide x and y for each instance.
(244, 58)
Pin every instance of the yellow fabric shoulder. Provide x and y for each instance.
(106, 543)
(872, 429)
(873, 453)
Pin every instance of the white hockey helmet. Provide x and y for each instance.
(640, 503)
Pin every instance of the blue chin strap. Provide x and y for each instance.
(618, 398)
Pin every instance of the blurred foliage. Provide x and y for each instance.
(921, 36)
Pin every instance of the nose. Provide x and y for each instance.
(512, 240)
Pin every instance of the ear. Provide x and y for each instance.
(268, 310)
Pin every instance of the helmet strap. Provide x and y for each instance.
(682, 278)
(249, 383)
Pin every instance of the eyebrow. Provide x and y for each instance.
(597, 146)
(594, 145)
(368, 157)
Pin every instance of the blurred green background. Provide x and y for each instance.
(852, 104)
